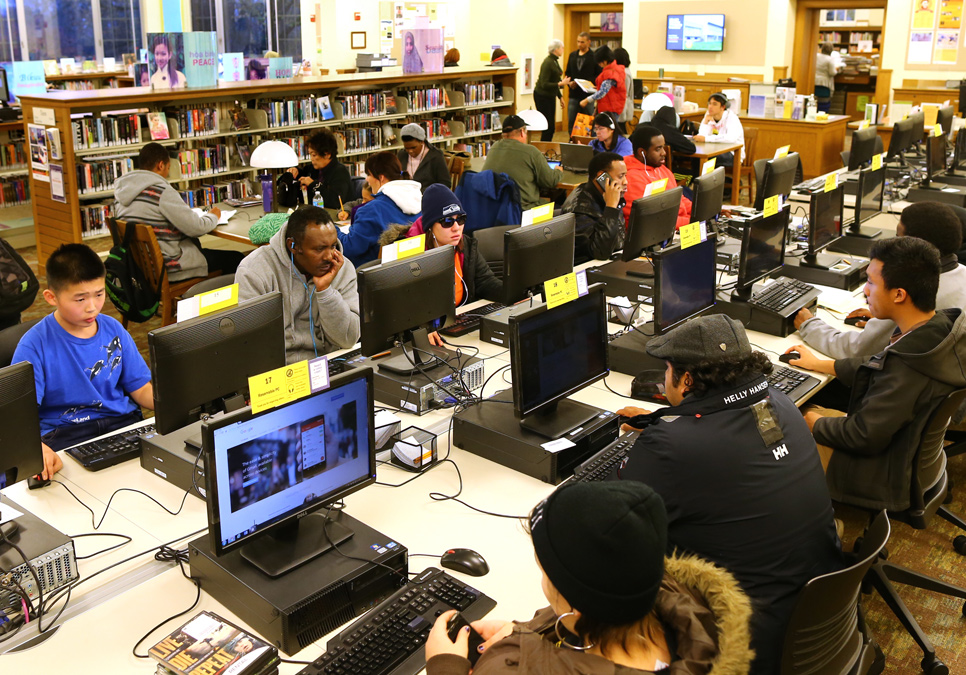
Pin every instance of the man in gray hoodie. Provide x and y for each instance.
(304, 261)
(146, 196)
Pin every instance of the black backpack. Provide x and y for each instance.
(127, 286)
(18, 284)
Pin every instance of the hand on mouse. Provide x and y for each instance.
(52, 463)
(863, 315)
(438, 641)
(809, 361)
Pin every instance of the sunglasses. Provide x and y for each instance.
(447, 223)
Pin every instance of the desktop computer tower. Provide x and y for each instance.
(618, 282)
(848, 274)
(417, 393)
(298, 608)
(491, 431)
(950, 195)
(169, 457)
(49, 551)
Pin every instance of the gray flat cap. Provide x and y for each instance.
(706, 338)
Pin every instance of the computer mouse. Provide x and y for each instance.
(464, 560)
(649, 386)
(36, 482)
(788, 356)
(852, 320)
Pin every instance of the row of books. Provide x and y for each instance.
(297, 143)
(100, 175)
(203, 161)
(12, 155)
(357, 139)
(479, 92)
(478, 123)
(425, 99)
(105, 131)
(477, 149)
(84, 85)
(436, 128)
(210, 194)
(295, 111)
(854, 37)
(367, 104)
(14, 191)
(202, 121)
(94, 218)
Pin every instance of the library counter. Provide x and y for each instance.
(819, 143)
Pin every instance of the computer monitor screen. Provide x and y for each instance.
(265, 472)
(905, 134)
(868, 198)
(708, 195)
(653, 221)
(201, 366)
(4, 87)
(762, 248)
(825, 218)
(685, 283)
(556, 352)
(863, 147)
(959, 151)
(777, 178)
(944, 118)
(406, 295)
(20, 451)
(695, 32)
(537, 253)
(935, 156)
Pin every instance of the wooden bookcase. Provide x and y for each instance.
(56, 223)
(98, 80)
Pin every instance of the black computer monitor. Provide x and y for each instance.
(685, 283)
(554, 353)
(905, 134)
(398, 299)
(825, 214)
(653, 221)
(4, 86)
(863, 147)
(533, 254)
(777, 179)
(708, 195)
(201, 366)
(868, 198)
(20, 446)
(959, 150)
(762, 250)
(267, 473)
(944, 118)
(935, 160)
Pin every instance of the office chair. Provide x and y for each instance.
(10, 338)
(490, 242)
(826, 632)
(357, 183)
(927, 492)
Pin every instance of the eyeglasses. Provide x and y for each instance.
(447, 223)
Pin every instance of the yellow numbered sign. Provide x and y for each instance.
(560, 290)
(771, 205)
(279, 386)
(831, 182)
(692, 234)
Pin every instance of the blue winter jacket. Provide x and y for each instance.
(489, 199)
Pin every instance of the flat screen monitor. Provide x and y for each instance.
(695, 32)
(959, 151)
(267, 473)
(537, 253)
(825, 218)
(399, 299)
(777, 179)
(944, 118)
(762, 248)
(4, 86)
(554, 353)
(935, 157)
(863, 147)
(868, 198)
(653, 221)
(201, 366)
(20, 450)
(905, 134)
(685, 283)
(708, 195)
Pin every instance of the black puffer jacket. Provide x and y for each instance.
(599, 228)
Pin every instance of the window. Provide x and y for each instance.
(250, 27)
(9, 31)
(120, 27)
(288, 29)
(245, 26)
(59, 28)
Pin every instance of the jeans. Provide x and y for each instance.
(72, 434)
(547, 105)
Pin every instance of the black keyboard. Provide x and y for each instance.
(337, 364)
(105, 452)
(601, 465)
(781, 294)
(794, 383)
(390, 637)
(470, 321)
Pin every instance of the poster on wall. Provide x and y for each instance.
(920, 47)
(947, 46)
(611, 22)
(923, 14)
(166, 60)
(423, 50)
(527, 73)
(201, 59)
(951, 14)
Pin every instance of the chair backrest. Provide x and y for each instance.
(550, 149)
(751, 141)
(211, 284)
(583, 140)
(823, 634)
(845, 154)
(10, 338)
(490, 246)
(145, 249)
(759, 165)
(357, 183)
(456, 167)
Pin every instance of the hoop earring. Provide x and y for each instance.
(561, 640)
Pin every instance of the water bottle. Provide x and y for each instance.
(317, 200)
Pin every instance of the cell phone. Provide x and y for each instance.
(603, 180)
(453, 627)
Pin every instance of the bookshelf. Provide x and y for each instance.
(472, 115)
(91, 80)
(850, 38)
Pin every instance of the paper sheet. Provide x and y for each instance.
(225, 215)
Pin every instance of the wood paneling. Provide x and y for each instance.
(818, 143)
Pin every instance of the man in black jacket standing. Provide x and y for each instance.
(581, 64)
(596, 205)
(737, 468)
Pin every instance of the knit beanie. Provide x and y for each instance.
(602, 546)
(439, 202)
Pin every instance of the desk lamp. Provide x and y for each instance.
(534, 118)
(272, 155)
(654, 102)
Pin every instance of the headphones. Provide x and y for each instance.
(720, 98)
(292, 245)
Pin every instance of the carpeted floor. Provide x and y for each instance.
(928, 551)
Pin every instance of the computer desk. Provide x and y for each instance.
(112, 611)
(704, 151)
(241, 222)
(568, 179)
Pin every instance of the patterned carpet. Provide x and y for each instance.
(929, 551)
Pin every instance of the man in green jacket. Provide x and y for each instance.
(522, 162)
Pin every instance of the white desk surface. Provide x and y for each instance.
(120, 605)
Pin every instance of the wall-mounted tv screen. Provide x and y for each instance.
(695, 32)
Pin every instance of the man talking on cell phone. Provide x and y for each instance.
(597, 207)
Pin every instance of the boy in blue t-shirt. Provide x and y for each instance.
(86, 366)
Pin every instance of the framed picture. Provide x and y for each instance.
(611, 22)
(528, 78)
(358, 39)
